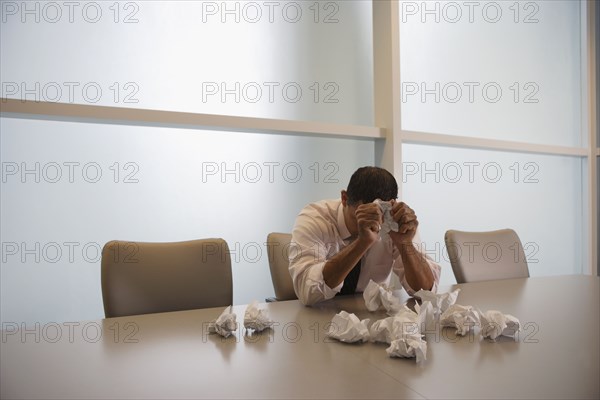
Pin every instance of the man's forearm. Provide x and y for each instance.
(338, 267)
(416, 268)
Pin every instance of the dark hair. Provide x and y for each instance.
(370, 183)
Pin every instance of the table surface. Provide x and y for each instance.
(171, 355)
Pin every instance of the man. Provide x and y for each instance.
(337, 246)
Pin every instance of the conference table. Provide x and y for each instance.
(172, 355)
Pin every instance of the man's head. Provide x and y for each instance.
(370, 183)
(366, 185)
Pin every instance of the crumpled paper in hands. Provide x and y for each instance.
(255, 318)
(495, 323)
(225, 324)
(441, 301)
(408, 346)
(388, 220)
(376, 295)
(463, 318)
(348, 328)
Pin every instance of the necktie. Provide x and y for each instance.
(351, 280)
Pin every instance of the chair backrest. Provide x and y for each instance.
(482, 256)
(278, 247)
(144, 278)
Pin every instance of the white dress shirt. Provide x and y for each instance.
(320, 233)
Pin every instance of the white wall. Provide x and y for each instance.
(163, 187)
(522, 61)
(181, 56)
(503, 70)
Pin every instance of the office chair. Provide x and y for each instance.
(278, 246)
(144, 278)
(482, 256)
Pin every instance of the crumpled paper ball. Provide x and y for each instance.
(225, 325)
(376, 295)
(463, 318)
(440, 301)
(495, 323)
(408, 346)
(403, 332)
(255, 318)
(348, 328)
(390, 328)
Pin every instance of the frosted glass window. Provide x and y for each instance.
(68, 188)
(538, 196)
(507, 70)
(276, 59)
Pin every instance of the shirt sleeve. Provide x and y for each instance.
(435, 268)
(308, 255)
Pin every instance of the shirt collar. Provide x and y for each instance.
(341, 223)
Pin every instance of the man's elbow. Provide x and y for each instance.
(308, 300)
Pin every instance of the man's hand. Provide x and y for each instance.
(407, 223)
(369, 218)
(416, 268)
